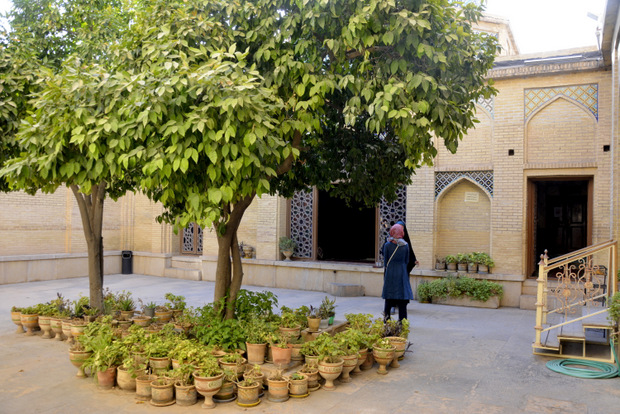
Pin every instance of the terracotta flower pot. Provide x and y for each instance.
(361, 358)
(313, 324)
(383, 356)
(278, 390)
(127, 315)
(77, 329)
(208, 387)
(247, 396)
(226, 392)
(143, 321)
(290, 332)
(256, 353)
(66, 330)
(298, 387)
(125, 380)
(281, 356)
(350, 362)
(45, 324)
(77, 358)
(143, 387)
(313, 379)
(370, 361)
(17, 320)
(312, 360)
(30, 322)
(106, 378)
(159, 365)
(330, 371)
(186, 395)
(56, 325)
(237, 368)
(163, 316)
(162, 392)
(399, 345)
(296, 352)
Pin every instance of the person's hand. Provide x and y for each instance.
(417, 263)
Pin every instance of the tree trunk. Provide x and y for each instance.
(227, 286)
(91, 213)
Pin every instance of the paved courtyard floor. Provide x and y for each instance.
(464, 360)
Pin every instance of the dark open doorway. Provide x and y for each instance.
(561, 217)
(345, 234)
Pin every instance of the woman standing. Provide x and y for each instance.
(396, 287)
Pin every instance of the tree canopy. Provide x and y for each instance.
(204, 104)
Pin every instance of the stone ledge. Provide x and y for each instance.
(345, 289)
(492, 303)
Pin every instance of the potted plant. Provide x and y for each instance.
(29, 319)
(278, 386)
(280, 350)
(423, 292)
(131, 367)
(451, 262)
(348, 341)
(311, 371)
(248, 392)
(157, 350)
(462, 260)
(314, 319)
(465, 291)
(16, 318)
(440, 263)
(289, 325)
(176, 303)
(383, 351)
(148, 309)
(256, 332)
(234, 362)
(330, 359)
(208, 379)
(77, 356)
(327, 311)
(287, 247)
(103, 361)
(298, 385)
(184, 388)
(485, 263)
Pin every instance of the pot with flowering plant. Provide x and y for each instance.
(383, 352)
(280, 350)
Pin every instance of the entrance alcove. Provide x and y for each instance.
(463, 219)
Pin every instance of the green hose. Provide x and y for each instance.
(575, 367)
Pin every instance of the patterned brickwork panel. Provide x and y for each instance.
(444, 179)
(586, 95)
(487, 104)
(302, 206)
(391, 213)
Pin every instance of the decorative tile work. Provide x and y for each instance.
(487, 104)
(444, 179)
(391, 213)
(302, 206)
(192, 239)
(586, 95)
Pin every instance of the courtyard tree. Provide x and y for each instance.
(210, 103)
(48, 99)
(256, 97)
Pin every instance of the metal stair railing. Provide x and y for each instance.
(579, 282)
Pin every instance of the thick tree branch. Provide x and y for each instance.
(287, 164)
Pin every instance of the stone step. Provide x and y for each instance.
(345, 289)
(527, 302)
(186, 262)
(180, 273)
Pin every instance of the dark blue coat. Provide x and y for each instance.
(396, 283)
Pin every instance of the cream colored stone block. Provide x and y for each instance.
(14, 272)
(259, 275)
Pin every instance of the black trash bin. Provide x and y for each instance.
(127, 258)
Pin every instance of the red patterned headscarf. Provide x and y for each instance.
(397, 232)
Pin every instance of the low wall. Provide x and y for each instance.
(39, 267)
(301, 275)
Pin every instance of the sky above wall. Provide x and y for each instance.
(538, 25)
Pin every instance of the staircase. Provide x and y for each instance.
(184, 267)
(571, 309)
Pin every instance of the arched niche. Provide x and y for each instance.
(561, 131)
(463, 219)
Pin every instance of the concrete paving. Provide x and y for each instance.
(464, 360)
